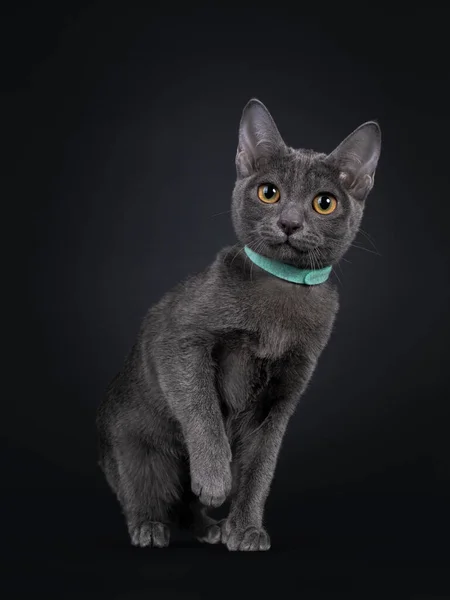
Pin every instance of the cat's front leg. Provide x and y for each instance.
(210, 470)
(188, 380)
(243, 529)
(257, 458)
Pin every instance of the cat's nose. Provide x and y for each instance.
(289, 225)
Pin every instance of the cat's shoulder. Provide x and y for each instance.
(230, 259)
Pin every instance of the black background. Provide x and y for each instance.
(124, 130)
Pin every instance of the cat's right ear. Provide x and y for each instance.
(259, 138)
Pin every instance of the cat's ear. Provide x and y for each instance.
(259, 138)
(357, 158)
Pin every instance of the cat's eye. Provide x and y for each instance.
(268, 193)
(324, 204)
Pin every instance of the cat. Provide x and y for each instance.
(198, 413)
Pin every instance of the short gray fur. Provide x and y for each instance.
(198, 413)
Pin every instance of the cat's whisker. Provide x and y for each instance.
(335, 272)
(314, 259)
(309, 289)
(258, 248)
(255, 238)
(311, 258)
(318, 257)
(365, 249)
(259, 243)
(225, 212)
(368, 237)
(237, 254)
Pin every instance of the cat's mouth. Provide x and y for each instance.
(293, 247)
(298, 247)
(299, 253)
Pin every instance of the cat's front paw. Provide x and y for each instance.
(212, 487)
(150, 533)
(245, 538)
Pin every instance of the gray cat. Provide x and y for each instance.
(198, 413)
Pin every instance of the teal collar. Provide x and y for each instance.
(288, 272)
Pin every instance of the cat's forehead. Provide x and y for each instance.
(302, 164)
(305, 156)
(305, 160)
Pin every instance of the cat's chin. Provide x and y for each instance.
(296, 257)
(303, 258)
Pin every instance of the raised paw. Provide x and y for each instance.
(212, 491)
(248, 539)
(151, 533)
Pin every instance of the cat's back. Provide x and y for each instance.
(204, 301)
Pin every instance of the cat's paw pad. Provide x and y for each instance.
(150, 533)
(250, 539)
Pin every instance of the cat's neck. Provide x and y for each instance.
(287, 272)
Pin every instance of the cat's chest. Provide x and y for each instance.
(284, 321)
(241, 375)
(262, 328)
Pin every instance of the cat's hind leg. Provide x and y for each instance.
(193, 516)
(205, 528)
(147, 485)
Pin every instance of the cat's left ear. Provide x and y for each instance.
(357, 158)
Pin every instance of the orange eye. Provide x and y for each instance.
(268, 193)
(324, 204)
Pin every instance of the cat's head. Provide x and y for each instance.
(299, 206)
